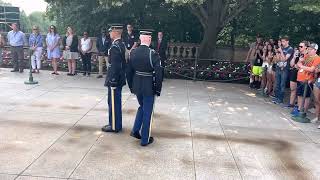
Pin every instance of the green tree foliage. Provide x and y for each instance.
(213, 15)
(209, 22)
(307, 6)
(25, 23)
(273, 18)
(36, 18)
(156, 14)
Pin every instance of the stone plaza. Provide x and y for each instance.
(202, 130)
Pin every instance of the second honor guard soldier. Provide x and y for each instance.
(144, 75)
(115, 79)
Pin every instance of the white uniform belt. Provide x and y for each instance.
(147, 74)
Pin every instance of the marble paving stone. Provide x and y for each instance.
(21, 144)
(202, 131)
(250, 119)
(61, 159)
(165, 159)
(7, 177)
(65, 103)
(270, 155)
(290, 136)
(38, 178)
(213, 158)
(24, 136)
(313, 135)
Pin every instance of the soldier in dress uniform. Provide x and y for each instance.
(144, 76)
(115, 79)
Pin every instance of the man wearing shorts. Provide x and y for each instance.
(251, 56)
(257, 67)
(306, 69)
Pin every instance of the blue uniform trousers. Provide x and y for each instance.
(115, 108)
(144, 117)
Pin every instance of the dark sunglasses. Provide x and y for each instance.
(300, 46)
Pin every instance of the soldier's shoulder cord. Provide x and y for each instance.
(151, 51)
(116, 45)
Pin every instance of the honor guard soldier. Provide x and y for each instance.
(144, 76)
(115, 79)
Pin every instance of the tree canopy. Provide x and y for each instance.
(208, 22)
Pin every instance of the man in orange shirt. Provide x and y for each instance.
(306, 66)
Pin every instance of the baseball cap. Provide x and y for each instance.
(314, 46)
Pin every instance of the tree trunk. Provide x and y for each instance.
(233, 38)
(214, 15)
(209, 43)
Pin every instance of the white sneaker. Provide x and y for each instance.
(319, 127)
(315, 120)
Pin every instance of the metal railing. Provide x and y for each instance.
(207, 70)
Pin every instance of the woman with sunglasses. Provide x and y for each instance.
(35, 43)
(53, 50)
(85, 52)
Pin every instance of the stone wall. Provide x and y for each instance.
(189, 50)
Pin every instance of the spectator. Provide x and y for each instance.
(251, 56)
(257, 67)
(306, 71)
(85, 51)
(16, 39)
(266, 43)
(316, 91)
(130, 40)
(70, 53)
(271, 42)
(161, 48)
(300, 52)
(2, 43)
(53, 50)
(268, 65)
(36, 44)
(103, 44)
(285, 54)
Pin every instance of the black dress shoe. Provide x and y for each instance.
(14, 70)
(84, 74)
(21, 70)
(108, 128)
(135, 135)
(151, 140)
(69, 74)
(99, 76)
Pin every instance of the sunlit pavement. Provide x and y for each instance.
(202, 131)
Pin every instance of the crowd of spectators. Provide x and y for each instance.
(275, 65)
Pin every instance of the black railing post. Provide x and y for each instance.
(195, 69)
